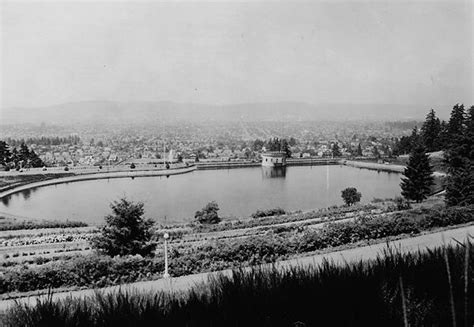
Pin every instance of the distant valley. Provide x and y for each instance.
(99, 112)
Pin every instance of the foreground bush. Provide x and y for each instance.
(350, 195)
(126, 231)
(394, 290)
(90, 271)
(208, 214)
(212, 256)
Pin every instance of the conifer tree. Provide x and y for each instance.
(416, 185)
(456, 123)
(34, 160)
(430, 132)
(359, 151)
(376, 152)
(415, 139)
(126, 231)
(443, 140)
(24, 152)
(285, 148)
(335, 150)
(460, 158)
(5, 154)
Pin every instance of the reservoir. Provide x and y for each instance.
(175, 199)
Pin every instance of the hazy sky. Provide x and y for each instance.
(414, 52)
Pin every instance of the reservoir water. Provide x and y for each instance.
(239, 193)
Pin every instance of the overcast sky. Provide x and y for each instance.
(396, 52)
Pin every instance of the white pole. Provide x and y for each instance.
(166, 274)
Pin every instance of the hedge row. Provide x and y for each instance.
(265, 249)
(268, 213)
(329, 213)
(91, 270)
(99, 271)
(19, 225)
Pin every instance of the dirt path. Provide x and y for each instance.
(422, 242)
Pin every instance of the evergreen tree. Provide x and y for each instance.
(285, 148)
(456, 123)
(34, 160)
(459, 187)
(443, 135)
(430, 132)
(376, 152)
(14, 157)
(470, 133)
(415, 140)
(24, 153)
(416, 185)
(258, 145)
(5, 154)
(126, 231)
(359, 151)
(460, 158)
(335, 150)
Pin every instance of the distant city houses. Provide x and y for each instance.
(208, 142)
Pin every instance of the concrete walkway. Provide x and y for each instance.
(422, 242)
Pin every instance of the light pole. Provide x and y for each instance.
(166, 236)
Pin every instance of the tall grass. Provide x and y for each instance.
(393, 290)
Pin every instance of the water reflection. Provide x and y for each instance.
(6, 200)
(274, 172)
(27, 193)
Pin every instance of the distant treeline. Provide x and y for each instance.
(404, 125)
(72, 139)
(274, 144)
(22, 157)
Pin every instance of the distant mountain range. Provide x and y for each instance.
(148, 112)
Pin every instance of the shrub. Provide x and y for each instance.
(18, 225)
(377, 200)
(208, 214)
(269, 212)
(66, 168)
(402, 203)
(350, 195)
(92, 270)
(126, 231)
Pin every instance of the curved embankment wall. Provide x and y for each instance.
(85, 177)
(383, 167)
(374, 166)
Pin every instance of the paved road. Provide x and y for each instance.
(422, 242)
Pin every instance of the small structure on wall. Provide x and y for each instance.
(274, 159)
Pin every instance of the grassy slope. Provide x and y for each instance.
(393, 290)
(101, 271)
